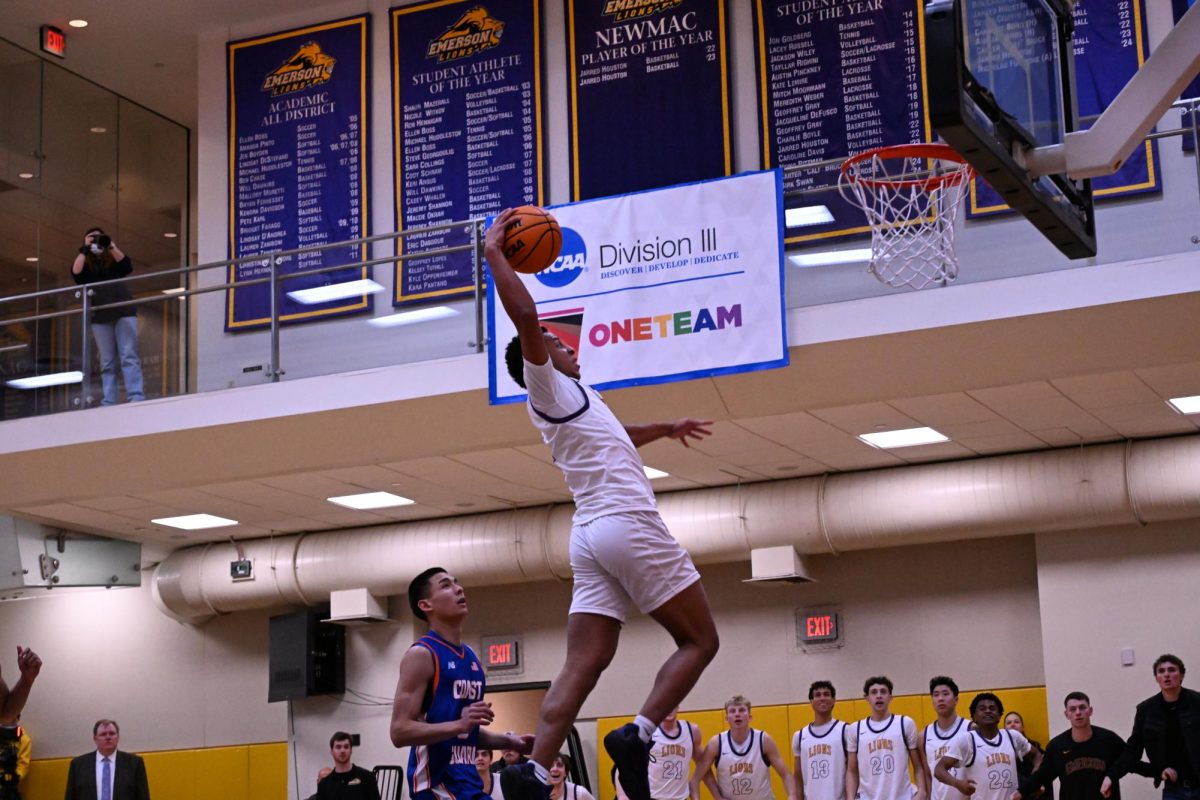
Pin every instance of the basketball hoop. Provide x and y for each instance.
(903, 191)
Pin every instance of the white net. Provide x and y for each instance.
(911, 203)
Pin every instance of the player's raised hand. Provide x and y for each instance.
(494, 238)
(28, 663)
(684, 429)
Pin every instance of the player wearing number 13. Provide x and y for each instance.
(742, 758)
(880, 749)
(820, 749)
(987, 758)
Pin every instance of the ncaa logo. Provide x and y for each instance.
(569, 264)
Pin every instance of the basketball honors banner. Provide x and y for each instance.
(1110, 46)
(665, 285)
(649, 94)
(467, 123)
(836, 78)
(297, 166)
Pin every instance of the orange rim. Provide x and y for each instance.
(941, 152)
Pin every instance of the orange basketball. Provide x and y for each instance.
(532, 239)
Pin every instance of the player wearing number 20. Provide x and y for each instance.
(742, 758)
(988, 757)
(880, 749)
(820, 749)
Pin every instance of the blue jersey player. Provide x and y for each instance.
(439, 710)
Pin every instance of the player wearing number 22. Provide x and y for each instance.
(742, 758)
(819, 749)
(988, 757)
(880, 748)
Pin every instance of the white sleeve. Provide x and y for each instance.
(961, 749)
(909, 728)
(796, 743)
(551, 392)
(1020, 744)
(851, 737)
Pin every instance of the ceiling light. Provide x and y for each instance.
(368, 500)
(25, 175)
(335, 291)
(908, 437)
(42, 381)
(806, 215)
(1186, 405)
(411, 317)
(171, 235)
(78, 23)
(829, 257)
(195, 522)
(98, 129)
(31, 259)
(654, 474)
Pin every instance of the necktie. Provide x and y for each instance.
(106, 780)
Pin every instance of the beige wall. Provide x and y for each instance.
(1107, 590)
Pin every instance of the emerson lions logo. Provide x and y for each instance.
(570, 262)
(475, 30)
(308, 67)
(635, 9)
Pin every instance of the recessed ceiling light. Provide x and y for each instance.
(654, 474)
(25, 175)
(42, 381)
(31, 259)
(335, 291)
(412, 317)
(908, 437)
(829, 257)
(368, 500)
(98, 129)
(170, 235)
(1186, 405)
(195, 522)
(806, 215)
(78, 23)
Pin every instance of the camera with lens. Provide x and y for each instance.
(105, 241)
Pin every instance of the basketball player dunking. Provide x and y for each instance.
(439, 707)
(621, 552)
(742, 758)
(880, 749)
(987, 756)
(819, 749)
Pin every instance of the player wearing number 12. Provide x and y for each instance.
(819, 749)
(742, 758)
(880, 749)
(987, 757)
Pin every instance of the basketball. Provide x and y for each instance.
(532, 239)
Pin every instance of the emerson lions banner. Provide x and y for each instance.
(666, 285)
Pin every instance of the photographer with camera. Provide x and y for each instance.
(114, 329)
(14, 759)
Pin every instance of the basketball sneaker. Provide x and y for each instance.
(632, 758)
(519, 782)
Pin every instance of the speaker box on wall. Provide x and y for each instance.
(307, 656)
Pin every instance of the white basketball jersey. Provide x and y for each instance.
(743, 772)
(671, 762)
(822, 756)
(992, 764)
(938, 744)
(883, 757)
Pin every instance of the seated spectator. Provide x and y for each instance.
(347, 781)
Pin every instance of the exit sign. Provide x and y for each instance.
(53, 41)
(816, 626)
(501, 653)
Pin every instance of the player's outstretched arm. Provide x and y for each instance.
(515, 298)
(680, 430)
(407, 729)
(12, 699)
(775, 758)
(521, 742)
(703, 772)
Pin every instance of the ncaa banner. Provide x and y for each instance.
(297, 166)
(649, 94)
(467, 126)
(665, 285)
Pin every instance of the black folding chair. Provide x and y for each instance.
(390, 780)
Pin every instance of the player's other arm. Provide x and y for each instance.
(703, 772)
(942, 773)
(771, 751)
(680, 430)
(708, 779)
(851, 765)
(920, 772)
(416, 673)
(515, 298)
(521, 742)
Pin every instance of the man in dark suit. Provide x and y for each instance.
(107, 773)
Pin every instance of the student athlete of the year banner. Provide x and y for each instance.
(297, 166)
(467, 126)
(665, 285)
(649, 94)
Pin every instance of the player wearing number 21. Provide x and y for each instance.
(987, 758)
(880, 748)
(742, 758)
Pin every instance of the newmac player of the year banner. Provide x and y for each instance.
(665, 285)
(297, 165)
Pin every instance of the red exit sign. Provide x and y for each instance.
(501, 653)
(54, 41)
(819, 626)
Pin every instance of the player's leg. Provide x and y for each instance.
(688, 619)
